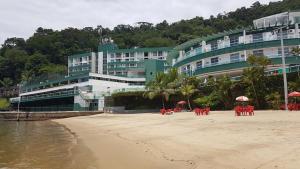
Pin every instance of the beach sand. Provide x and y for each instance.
(270, 139)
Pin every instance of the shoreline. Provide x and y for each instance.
(269, 139)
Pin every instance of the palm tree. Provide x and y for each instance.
(163, 85)
(6, 83)
(254, 77)
(224, 87)
(157, 87)
(274, 100)
(187, 91)
(296, 51)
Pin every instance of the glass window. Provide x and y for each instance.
(127, 55)
(258, 52)
(146, 54)
(257, 37)
(214, 45)
(154, 53)
(160, 53)
(235, 57)
(286, 51)
(234, 40)
(112, 55)
(131, 54)
(214, 61)
(118, 55)
(199, 64)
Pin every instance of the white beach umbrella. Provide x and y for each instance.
(242, 99)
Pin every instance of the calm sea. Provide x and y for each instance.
(41, 145)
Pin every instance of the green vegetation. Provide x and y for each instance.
(4, 104)
(46, 50)
(264, 91)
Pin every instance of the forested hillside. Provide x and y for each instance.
(46, 50)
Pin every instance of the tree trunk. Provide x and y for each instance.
(188, 99)
(163, 103)
(257, 102)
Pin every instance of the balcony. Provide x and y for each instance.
(225, 66)
(199, 53)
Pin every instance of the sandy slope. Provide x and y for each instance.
(270, 139)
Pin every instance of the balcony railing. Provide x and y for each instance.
(276, 59)
(202, 50)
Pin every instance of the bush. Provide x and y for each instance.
(4, 104)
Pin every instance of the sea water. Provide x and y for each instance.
(41, 145)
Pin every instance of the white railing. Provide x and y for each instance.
(271, 37)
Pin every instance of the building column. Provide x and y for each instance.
(297, 30)
(245, 52)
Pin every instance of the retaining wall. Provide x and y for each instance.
(32, 116)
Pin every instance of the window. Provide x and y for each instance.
(118, 55)
(154, 53)
(234, 40)
(235, 57)
(214, 45)
(199, 64)
(286, 52)
(131, 54)
(112, 55)
(127, 55)
(126, 59)
(160, 53)
(214, 61)
(258, 53)
(257, 37)
(146, 54)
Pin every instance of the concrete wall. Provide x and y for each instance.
(33, 116)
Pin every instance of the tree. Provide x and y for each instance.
(157, 87)
(12, 64)
(36, 63)
(255, 80)
(224, 87)
(274, 99)
(188, 91)
(6, 82)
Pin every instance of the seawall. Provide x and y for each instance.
(35, 116)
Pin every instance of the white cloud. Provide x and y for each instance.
(20, 18)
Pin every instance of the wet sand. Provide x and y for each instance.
(270, 139)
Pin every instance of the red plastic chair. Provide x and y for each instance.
(197, 111)
(163, 111)
(250, 110)
(237, 110)
(206, 110)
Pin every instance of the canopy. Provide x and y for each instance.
(181, 102)
(294, 94)
(242, 99)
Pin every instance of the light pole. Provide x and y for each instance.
(284, 71)
(19, 101)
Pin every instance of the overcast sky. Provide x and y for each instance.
(20, 18)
